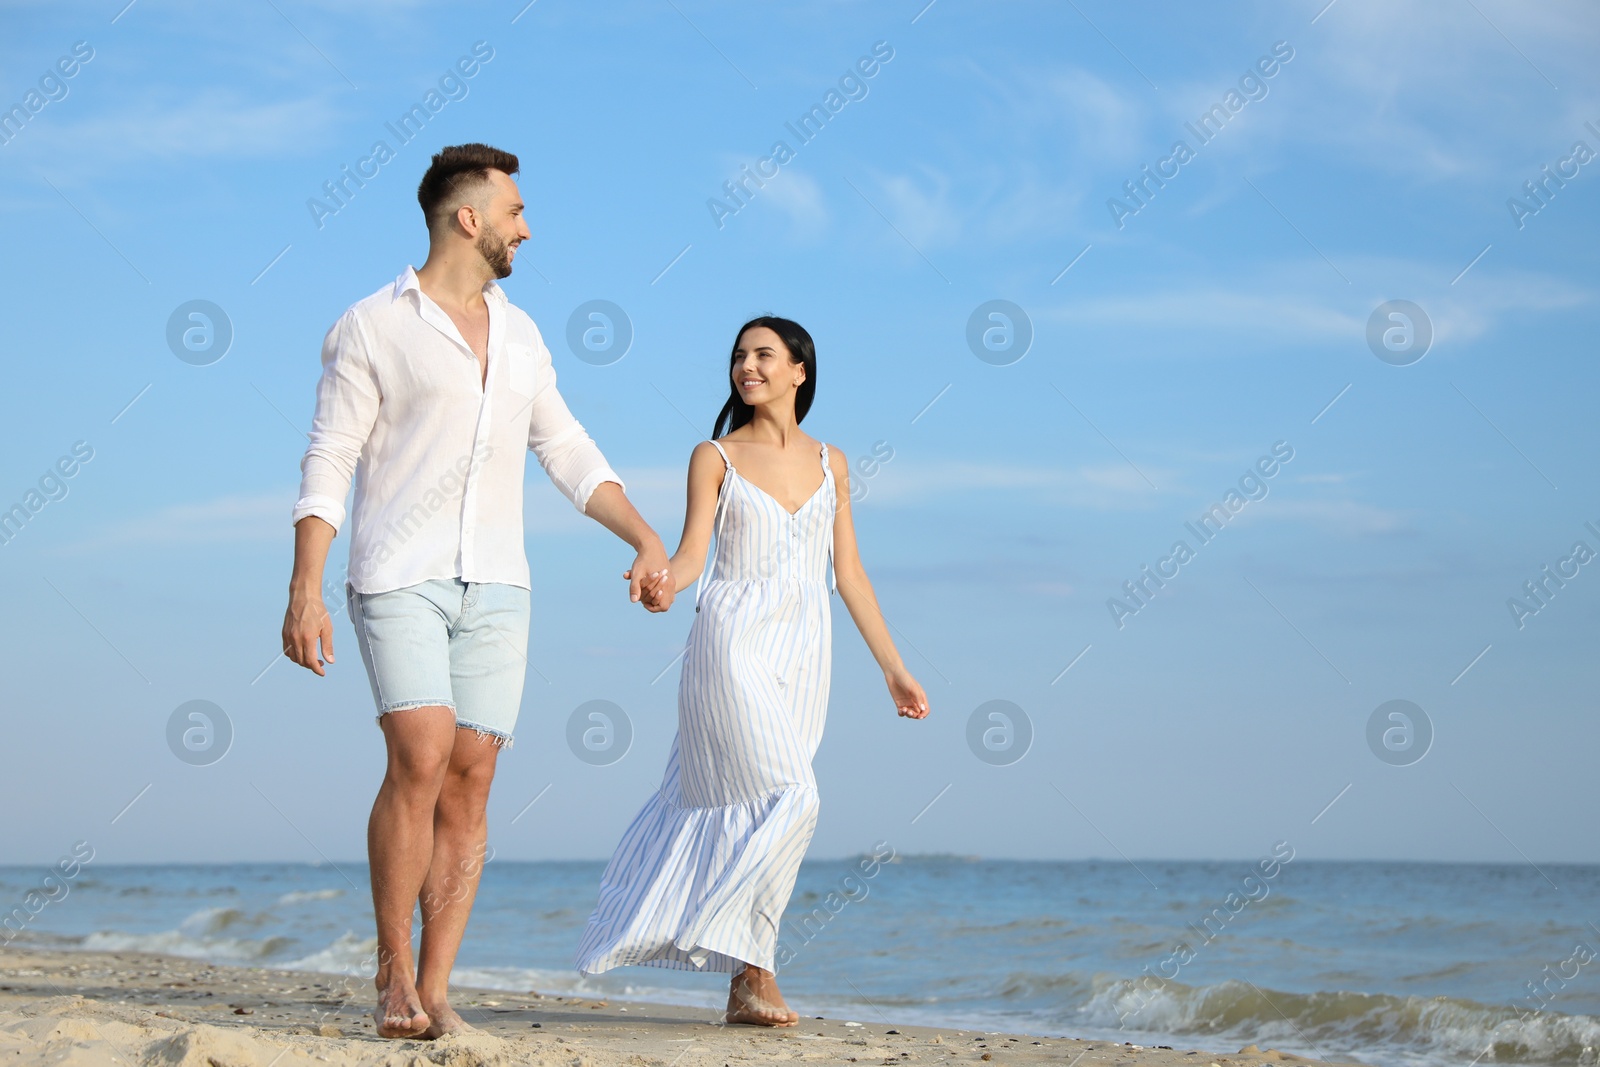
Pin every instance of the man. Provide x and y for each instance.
(433, 390)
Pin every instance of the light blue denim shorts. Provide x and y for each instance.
(446, 642)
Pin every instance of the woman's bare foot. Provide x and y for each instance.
(399, 1013)
(753, 999)
(446, 1020)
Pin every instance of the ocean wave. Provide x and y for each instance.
(1332, 1024)
(1431, 925)
(303, 896)
(1024, 926)
(178, 943)
(211, 921)
(347, 954)
(1071, 988)
(210, 934)
(569, 983)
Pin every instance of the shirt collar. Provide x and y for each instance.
(408, 282)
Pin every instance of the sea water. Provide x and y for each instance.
(1384, 963)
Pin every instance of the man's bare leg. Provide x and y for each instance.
(400, 849)
(753, 998)
(460, 834)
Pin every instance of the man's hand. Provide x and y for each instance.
(648, 579)
(655, 591)
(305, 624)
(658, 591)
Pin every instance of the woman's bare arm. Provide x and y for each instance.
(856, 591)
(706, 471)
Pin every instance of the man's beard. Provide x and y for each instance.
(495, 252)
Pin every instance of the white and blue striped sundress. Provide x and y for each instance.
(704, 872)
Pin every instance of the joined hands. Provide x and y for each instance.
(655, 591)
(653, 588)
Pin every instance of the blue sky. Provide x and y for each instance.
(1169, 353)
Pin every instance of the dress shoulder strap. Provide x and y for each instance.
(716, 543)
(827, 479)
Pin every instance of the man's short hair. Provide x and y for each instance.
(457, 176)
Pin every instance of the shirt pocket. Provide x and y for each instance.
(521, 369)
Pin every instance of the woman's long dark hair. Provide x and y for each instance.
(736, 413)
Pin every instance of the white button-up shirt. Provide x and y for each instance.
(437, 454)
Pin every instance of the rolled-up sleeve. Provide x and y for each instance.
(560, 443)
(347, 407)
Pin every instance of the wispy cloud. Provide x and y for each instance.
(1210, 309)
(1347, 518)
(1097, 487)
(1291, 301)
(1438, 91)
(264, 516)
(160, 127)
(232, 519)
(800, 198)
(657, 492)
(916, 204)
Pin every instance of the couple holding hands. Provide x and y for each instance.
(433, 390)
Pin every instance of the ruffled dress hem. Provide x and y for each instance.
(697, 869)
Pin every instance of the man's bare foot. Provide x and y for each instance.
(754, 1000)
(399, 1013)
(446, 1020)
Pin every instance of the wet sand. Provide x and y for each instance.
(77, 1009)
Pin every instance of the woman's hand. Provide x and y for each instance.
(909, 699)
(656, 590)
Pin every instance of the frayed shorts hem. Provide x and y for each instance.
(412, 705)
(500, 737)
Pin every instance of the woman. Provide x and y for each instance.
(703, 874)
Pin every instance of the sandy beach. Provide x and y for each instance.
(123, 1008)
